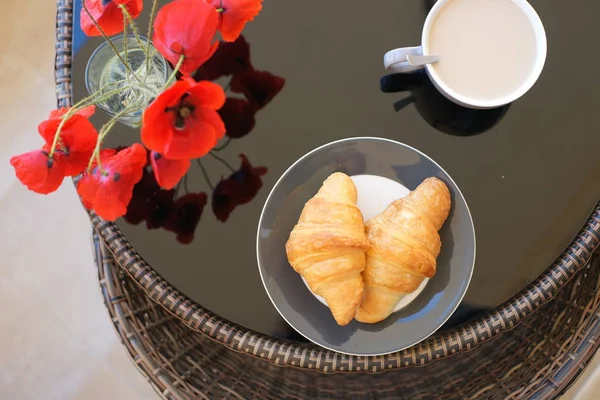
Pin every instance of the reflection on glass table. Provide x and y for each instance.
(180, 210)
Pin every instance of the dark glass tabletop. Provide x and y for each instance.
(529, 171)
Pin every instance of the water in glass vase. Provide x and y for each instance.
(132, 93)
(109, 79)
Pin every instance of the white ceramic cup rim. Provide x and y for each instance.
(536, 71)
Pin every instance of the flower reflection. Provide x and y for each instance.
(186, 216)
(160, 209)
(239, 188)
(229, 59)
(238, 117)
(259, 87)
(180, 210)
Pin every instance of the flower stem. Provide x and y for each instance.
(125, 42)
(111, 44)
(105, 130)
(75, 109)
(222, 161)
(179, 63)
(205, 174)
(133, 27)
(65, 118)
(224, 145)
(92, 98)
(177, 188)
(185, 184)
(150, 27)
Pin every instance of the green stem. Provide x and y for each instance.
(224, 145)
(92, 96)
(65, 118)
(133, 27)
(179, 63)
(76, 108)
(222, 161)
(111, 44)
(150, 27)
(206, 178)
(104, 131)
(125, 42)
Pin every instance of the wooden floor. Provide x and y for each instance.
(56, 340)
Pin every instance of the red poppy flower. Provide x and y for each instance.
(260, 87)
(234, 15)
(186, 27)
(185, 219)
(238, 117)
(37, 172)
(109, 189)
(77, 141)
(182, 122)
(168, 172)
(240, 188)
(229, 59)
(86, 112)
(108, 15)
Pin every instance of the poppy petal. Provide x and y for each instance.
(167, 172)
(178, 137)
(195, 141)
(157, 129)
(207, 94)
(157, 125)
(86, 112)
(186, 27)
(108, 15)
(75, 163)
(108, 190)
(214, 119)
(77, 134)
(35, 171)
(234, 15)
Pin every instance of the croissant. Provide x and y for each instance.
(327, 246)
(404, 244)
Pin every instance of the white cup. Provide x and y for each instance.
(396, 60)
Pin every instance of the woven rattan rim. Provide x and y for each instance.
(293, 354)
(540, 359)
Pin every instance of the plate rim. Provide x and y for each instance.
(332, 143)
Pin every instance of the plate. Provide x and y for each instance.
(381, 158)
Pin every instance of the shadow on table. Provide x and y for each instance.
(437, 110)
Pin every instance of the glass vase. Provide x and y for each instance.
(119, 92)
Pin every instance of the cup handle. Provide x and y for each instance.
(396, 60)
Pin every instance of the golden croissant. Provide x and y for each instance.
(327, 246)
(404, 244)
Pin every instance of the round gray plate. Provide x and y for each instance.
(293, 300)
